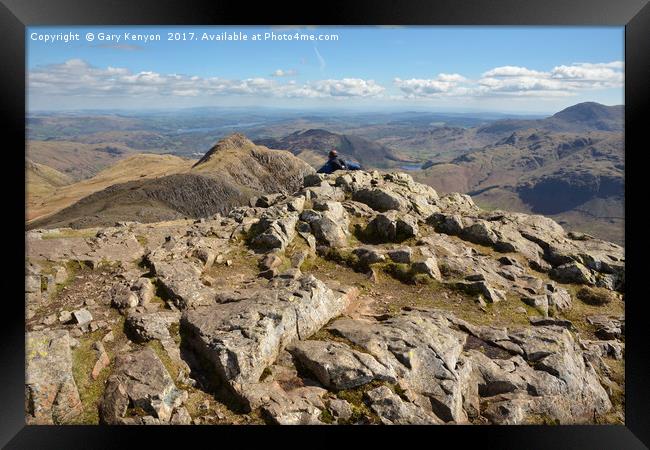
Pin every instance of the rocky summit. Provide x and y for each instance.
(360, 298)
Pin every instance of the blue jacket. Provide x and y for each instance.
(335, 164)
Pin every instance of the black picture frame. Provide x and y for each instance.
(15, 15)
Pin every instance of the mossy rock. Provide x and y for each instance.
(595, 296)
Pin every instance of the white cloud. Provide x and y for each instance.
(77, 77)
(284, 73)
(559, 81)
(347, 87)
(511, 71)
(443, 84)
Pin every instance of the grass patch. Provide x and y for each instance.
(169, 364)
(69, 233)
(84, 358)
(142, 240)
(326, 417)
(361, 412)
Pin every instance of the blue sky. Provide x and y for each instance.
(506, 69)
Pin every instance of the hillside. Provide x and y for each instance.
(229, 174)
(576, 177)
(309, 143)
(42, 181)
(74, 159)
(361, 298)
(135, 167)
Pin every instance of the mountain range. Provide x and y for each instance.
(167, 188)
(569, 165)
(313, 145)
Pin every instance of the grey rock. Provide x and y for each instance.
(51, 392)
(145, 327)
(145, 290)
(482, 287)
(391, 227)
(419, 348)
(277, 229)
(401, 255)
(544, 321)
(180, 279)
(139, 380)
(428, 266)
(181, 417)
(340, 409)
(572, 272)
(242, 338)
(368, 255)
(381, 200)
(82, 316)
(337, 366)
(392, 410)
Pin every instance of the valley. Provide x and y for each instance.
(568, 166)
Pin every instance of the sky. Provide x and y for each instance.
(446, 69)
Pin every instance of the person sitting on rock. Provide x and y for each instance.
(335, 163)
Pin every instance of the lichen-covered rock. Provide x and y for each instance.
(391, 227)
(50, 388)
(379, 199)
(419, 348)
(337, 366)
(276, 229)
(392, 410)
(139, 381)
(242, 338)
(143, 327)
(529, 372)
(180, 281)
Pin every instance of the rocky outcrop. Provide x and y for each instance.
(337, 366)
(529, 372)
(241, 338)
(260, 302)
(139, 383)
(50, 388)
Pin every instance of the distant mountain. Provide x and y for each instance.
(230, 173)
(313, 145)
(577, 178)
(587, 116)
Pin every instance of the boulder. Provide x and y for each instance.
(595, 296)
(145, 290)
(368, 255)
(379, 199)
(391, 227)
(572, 272)
(180, 279)
(82, 317)
(242, 338)
(401, 255)
(337, 366)
(143, 327)
(51, 392)
(392, 410)
(140, 383)
(275, 230)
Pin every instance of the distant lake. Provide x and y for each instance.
(222, 127)
(411, 167)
